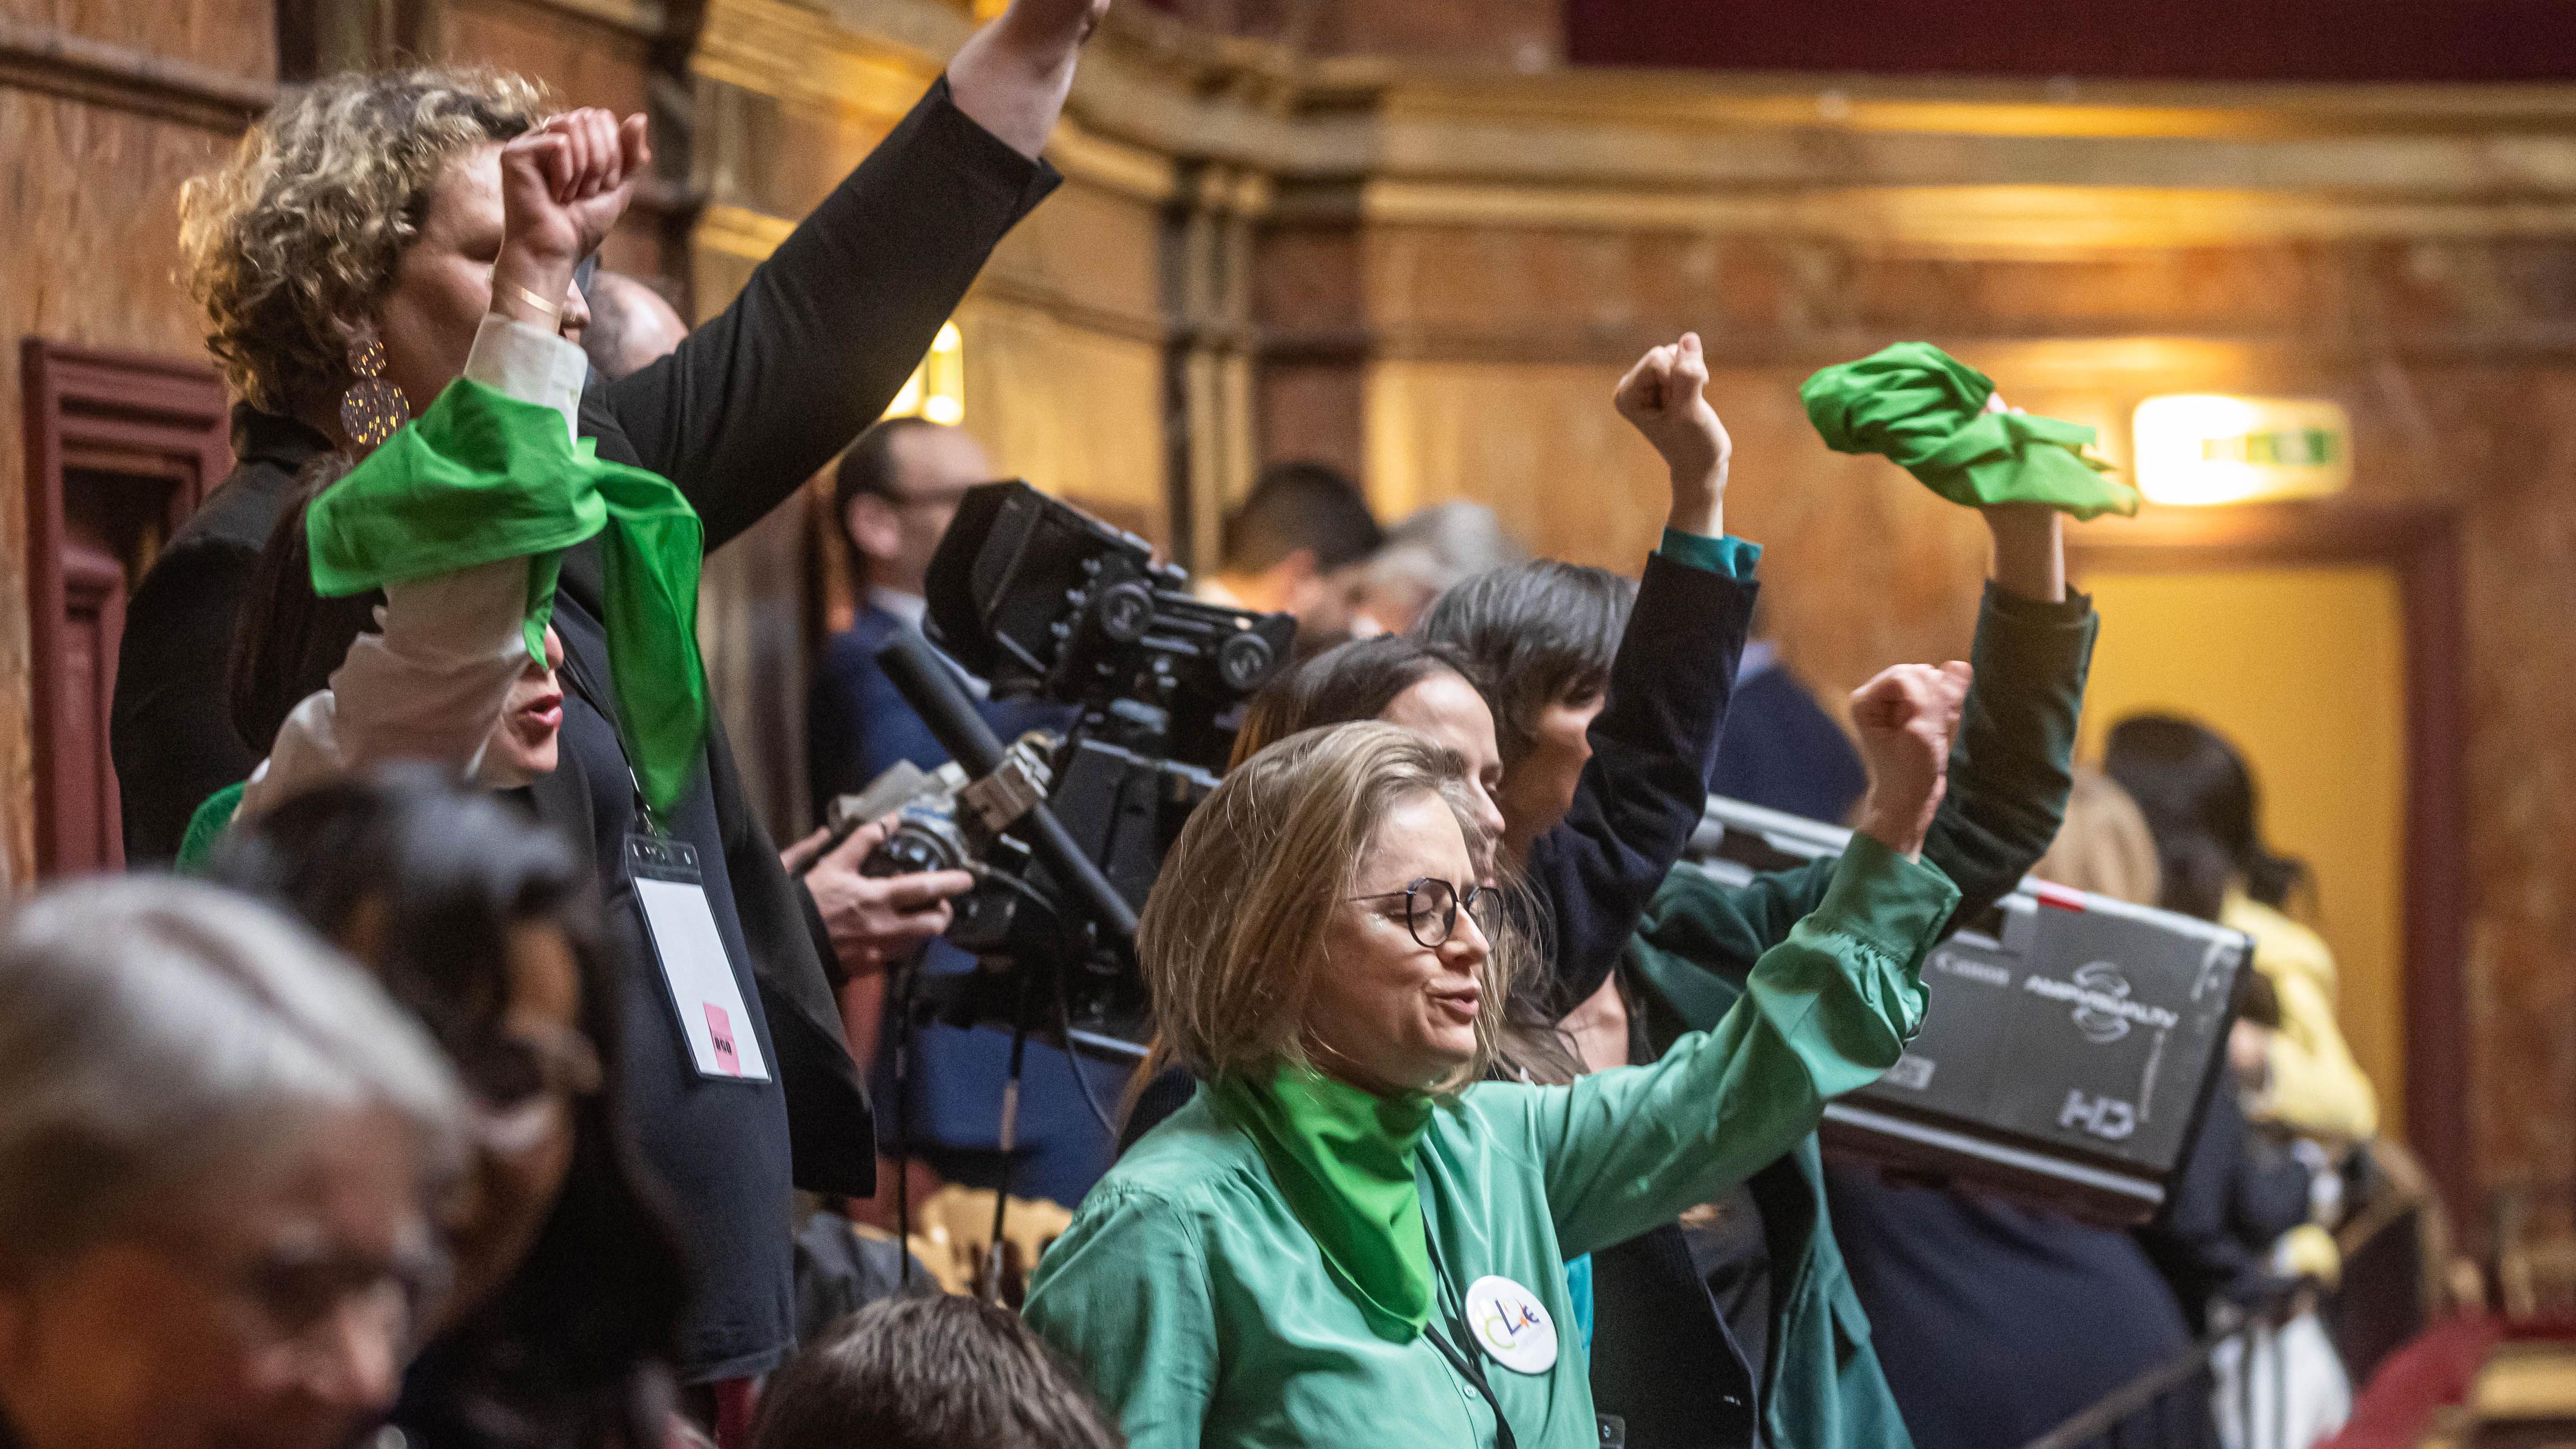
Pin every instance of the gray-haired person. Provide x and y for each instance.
(1433, 548)
(220, 1149)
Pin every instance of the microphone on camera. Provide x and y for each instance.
(930, 686)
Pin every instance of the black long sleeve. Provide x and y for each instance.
(2010, 772)
(1646, 786)
(169, 731)
(827, 329)
(170, 728)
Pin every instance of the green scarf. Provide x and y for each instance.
(1925, 410)
(1344, 1160)
(482, 477)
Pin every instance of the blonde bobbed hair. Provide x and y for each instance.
(2105, 846)
(1233, 937)
(296, 237)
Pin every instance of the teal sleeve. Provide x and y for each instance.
(1824, 1013)
(1124, 1295)
(1725, 555)
(1578, 1291)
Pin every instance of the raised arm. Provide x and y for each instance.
(1824, 1012)
(827, 329)
(432, 682)
(2010, 771)
(2014, 763)
(1012, 77)
(1655, 740)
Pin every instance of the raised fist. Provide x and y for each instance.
(1905, 718)
(1664, 397)
(564, 184)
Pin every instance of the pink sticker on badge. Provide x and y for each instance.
(720, 1027)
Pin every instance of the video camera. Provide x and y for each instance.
(1066, 833)
(2070, 1048)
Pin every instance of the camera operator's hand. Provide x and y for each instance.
(875, 921)
(563, 185)
(1664, 397)
(1905, 718)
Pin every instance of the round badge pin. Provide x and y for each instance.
(1511, 1325)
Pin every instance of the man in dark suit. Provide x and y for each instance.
(895, 493)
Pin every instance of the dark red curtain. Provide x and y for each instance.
(2236, 40)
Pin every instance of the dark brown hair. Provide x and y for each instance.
(934, 1372)
(2199, 799)
(1540, 634)
(1354, 681)
(1300, 504)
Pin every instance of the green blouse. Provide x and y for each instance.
(1201, 1312)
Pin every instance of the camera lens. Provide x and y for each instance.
(1126, 611)
(1243, 662)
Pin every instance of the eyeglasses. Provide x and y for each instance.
(1431, 908)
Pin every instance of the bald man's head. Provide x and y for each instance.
(630, 326)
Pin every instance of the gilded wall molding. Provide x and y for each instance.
(804, 56)
(1998, 222)
(640, 17)
(750, 236)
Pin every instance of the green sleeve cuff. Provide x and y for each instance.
(1725, 555)
(1886, 900)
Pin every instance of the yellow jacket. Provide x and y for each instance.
(2313, 1086)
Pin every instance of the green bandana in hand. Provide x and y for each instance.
(482, 477)
(1344, 1160)
(1925, 410)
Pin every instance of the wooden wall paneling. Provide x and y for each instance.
(2421, 542)
(120, 449)
(86, 67)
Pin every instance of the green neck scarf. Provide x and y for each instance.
(482, 477)
(1344, 1160)
(1925, 411)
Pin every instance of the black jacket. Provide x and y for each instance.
(749, 407)
(168, 730)
(1643, 792)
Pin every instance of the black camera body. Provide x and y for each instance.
(1041, 600)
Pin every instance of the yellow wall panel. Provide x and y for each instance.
(1077, 412)
(2304, 669)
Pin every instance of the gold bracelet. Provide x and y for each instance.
(553, 310)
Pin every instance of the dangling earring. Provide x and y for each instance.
(372, 408)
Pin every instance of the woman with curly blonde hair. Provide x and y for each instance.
(350, 261)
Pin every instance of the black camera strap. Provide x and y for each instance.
(577, 676)
(1454, 1343)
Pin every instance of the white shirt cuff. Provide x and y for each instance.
(531, 365)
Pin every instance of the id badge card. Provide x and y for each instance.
(703, 988)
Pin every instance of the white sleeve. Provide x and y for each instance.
(432, 683)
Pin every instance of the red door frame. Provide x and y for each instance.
(2420, 543)
(105, 416)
